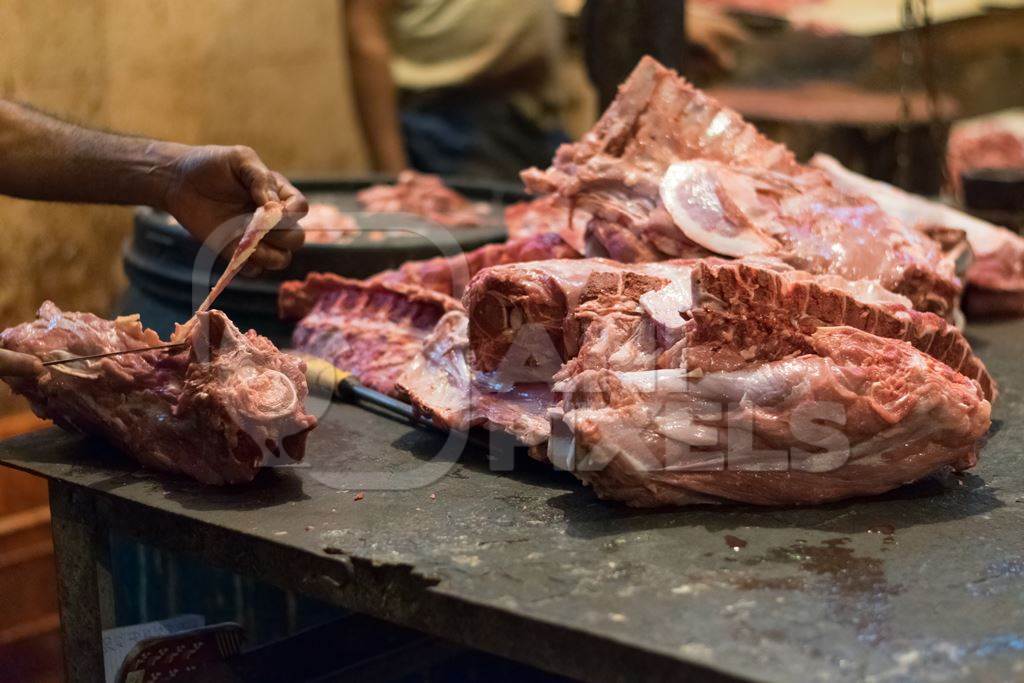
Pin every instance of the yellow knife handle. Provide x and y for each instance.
(322, 375)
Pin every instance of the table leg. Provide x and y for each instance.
(82, 551)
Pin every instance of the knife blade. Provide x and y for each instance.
(75, 359)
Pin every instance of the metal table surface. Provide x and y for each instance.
(926, 583)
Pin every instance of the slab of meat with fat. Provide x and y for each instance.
(668, 172)
(656, 368)
(213, 410)
(995, 274)
(372, 330)
(426, 196)
(857, 415)
(553, 295)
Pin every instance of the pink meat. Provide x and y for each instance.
(668, 172)
(995, 276)
(214, 410)
(326, 224)
(426, 196)
(680, 382)
(450, 275)
(994, 141)
(372, 330)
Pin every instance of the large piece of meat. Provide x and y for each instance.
(378, 331)
(995, 275)
(674, 382)
(213, 410)
(668, 172)
(426, 196)
(372, 330)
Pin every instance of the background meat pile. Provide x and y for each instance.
(686, 313)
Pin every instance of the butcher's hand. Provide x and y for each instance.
(212, 185)
(14, 364)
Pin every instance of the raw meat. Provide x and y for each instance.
(550, 213)
(263, 221)
(426, 196)
(214, 410)
(856, 415)
(440, 383)
(372, 330)
(327, 224)
(379, 331)
(995, 276)
(688, 381)
(450, 275)
(768, 305)
(992, 141)
(668, 172)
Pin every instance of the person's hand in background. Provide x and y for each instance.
(715, 32)
(212, 185)
(19, 364)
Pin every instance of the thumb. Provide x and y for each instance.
(256, 177)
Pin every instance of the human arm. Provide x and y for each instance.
(376, 95)
(202, 187)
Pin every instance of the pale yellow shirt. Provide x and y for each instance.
(507, 46)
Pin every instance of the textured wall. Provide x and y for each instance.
(264, 73)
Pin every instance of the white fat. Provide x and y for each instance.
(83, 369)
(681, 427)
(562, 442)
(690, 192)
(672, 380)
(767, 383)
(912, 210)
(666, 305)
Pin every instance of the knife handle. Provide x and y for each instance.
(326, 377)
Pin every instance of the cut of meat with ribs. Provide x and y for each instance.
(710, 379)
(857, 415)
(995, 276)
(372, 330)
(409, 342)
(553, 312)
(440, 383)
(449, 275)
(668, 172)
(214, 410)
